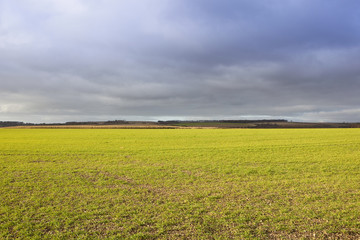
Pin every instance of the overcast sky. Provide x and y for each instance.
(63, 60)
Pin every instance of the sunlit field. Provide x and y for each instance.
(180, 183)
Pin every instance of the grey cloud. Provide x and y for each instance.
(75, 59)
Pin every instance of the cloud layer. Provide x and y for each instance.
(166, 59)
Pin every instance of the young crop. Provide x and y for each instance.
(180, 183)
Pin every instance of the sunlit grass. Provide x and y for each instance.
(181, 183)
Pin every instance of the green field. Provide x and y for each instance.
(179, 183)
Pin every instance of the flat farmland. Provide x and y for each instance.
(180, 183)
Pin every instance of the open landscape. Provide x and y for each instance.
(179, 119)
(180, 183)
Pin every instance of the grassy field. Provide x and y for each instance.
(180, 183)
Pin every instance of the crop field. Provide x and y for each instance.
(180, 183)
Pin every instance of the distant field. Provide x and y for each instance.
(125, 126)
(220, 124)
(180, 183)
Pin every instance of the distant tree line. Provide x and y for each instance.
(113, 122)
(13, 124)
(17, 123)
(263, 123)
(222, 121)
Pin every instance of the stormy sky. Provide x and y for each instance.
(63, 60)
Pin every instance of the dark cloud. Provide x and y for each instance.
(82, 60)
